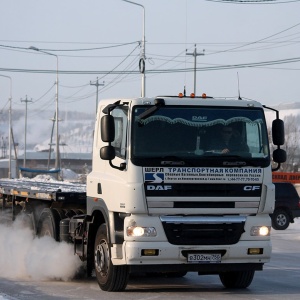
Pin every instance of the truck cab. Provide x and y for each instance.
(165, 196)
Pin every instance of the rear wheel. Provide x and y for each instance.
(48, 224)
(110, 278)
(237, 280)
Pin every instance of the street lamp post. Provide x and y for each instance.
(9, 129)
(57, 165)
(142, 62)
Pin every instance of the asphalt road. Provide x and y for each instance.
(279, 280)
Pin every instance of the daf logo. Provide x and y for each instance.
(199, 118)
(251, 187)
(158, 187)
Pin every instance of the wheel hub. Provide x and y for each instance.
(102, 258)
(281, 220)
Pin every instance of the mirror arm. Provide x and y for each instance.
(277, 168)
(122, 166)
(276, 111)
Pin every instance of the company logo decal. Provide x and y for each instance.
(154, 177)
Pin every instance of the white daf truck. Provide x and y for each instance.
(163, 197)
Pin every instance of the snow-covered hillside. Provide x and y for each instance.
(285, 110)
(75, 130)
(72, 140)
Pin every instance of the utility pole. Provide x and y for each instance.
(195, 54)
(97, 84)
(9, 126)
(50, 144)
(26, 102)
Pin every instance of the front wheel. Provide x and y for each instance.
(110, 278)
(237, 280)
(280, 219)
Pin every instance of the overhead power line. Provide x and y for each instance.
(149, 71)
(257, 41)
(73, 50)
(254, 1)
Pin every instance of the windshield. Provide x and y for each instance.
(200, 136)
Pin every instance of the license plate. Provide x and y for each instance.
(204, 258)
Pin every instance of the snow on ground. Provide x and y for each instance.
(48, 183)
(66, 174)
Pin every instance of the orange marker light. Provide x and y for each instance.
(203, 95)
(192, 95)
(180, 95)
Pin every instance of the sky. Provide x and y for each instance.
(249, 48)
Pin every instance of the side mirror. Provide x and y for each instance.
(107, 153)
(279, 156)
(278, 132)
(107, 128)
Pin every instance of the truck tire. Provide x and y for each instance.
(237, 280)
(110, 278)
(48, 224)
(280, 219)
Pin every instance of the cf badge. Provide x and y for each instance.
(251, 188)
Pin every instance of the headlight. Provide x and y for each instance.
(141, 231)
(260, 230)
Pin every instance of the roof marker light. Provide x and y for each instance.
(204, 96)
(192, 95)
(180, 95)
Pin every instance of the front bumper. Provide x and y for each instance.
(168, 255)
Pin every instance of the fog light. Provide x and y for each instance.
(260, 230)
(149, 252)
(255, 251)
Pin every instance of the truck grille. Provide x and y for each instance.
(201, 233)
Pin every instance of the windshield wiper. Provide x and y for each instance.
(174, 160)
(233, 160)
(240, 161)
(158, 103)
(172, 163)
(234, 163)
